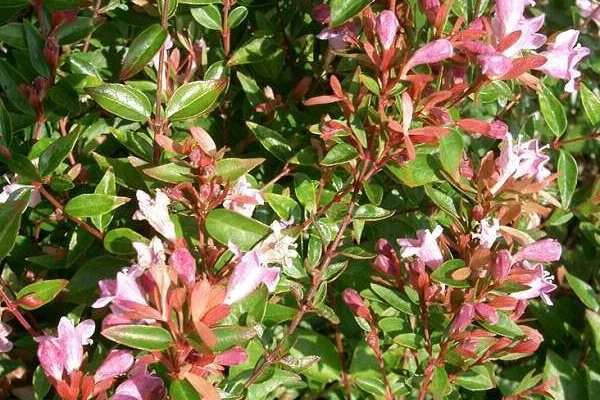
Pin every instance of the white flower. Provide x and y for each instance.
(156, 212)
(487, 232)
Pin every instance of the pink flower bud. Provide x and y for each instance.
(501, 267)
(531, 343)
(234, 356)
(545, 250)
(384, 265)
(433, 52)
(387, 27)
(463, 318)
(320, 13)
(430, 8)
(116, 363)
(184, 264)
(356, 304)
(486, 313)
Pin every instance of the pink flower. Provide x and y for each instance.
(5, 344)
(433, 52)
(589, 9)
(142, 386)
(34, 198)
(384, 262)
(184, 264)
(116, 363)
(148, 256)
(156, 212)
(124, 289)
(65, 352)
(562, 57)
(248, 274)
(523, 160)
(356, 304)
(502, 265)
(234, 356)
(494, 65)
(387, 27)
(339, 37)
(539, 282)
(546, 250)
(509, 18)
(423, 247)
(277, 248)
(242, 198)
(487, 232)
(430, 8)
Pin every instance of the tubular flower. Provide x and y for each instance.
(431, 53)
(277, 248)
(156, 212)
(64, 353)
(487, 232)
(589, 9)
(509, 19)
(242, 198)
(248, 274)
(423, 247)
(562, 57)
(539, 282)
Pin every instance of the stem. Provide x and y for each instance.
(59, 207)
(95, 12)
(158, 123)
(14, 310)
(225, 32)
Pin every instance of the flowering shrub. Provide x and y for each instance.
(288, 199)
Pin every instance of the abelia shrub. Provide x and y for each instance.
(293, 199)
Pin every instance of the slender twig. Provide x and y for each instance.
(14, 310)
(158, 124)
(60, 208)
(88, 38)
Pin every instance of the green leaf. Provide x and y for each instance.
(370, 212)
(552, 111)
(35, 47)
(251, 88)
(54, 154)
(170, 173)
(121, 100)
(228, 226)
(567, 177)
(478, 377)
(196, 2)
(234, 168)
(305, 191)
(505, 326)
(229, 336)
(399, 301)
(441, 199)
(84, 282)
(23, 166)
(194, 99)
(418, 172)
(284, 206)
(591, 104)
(277, 313)
(13, 34)
(92, 204)
(151, 338)
(39, 293)
(440, 386)
(372, 386)
(409, 340)
(451, 149)
(182, 390)
(142, 49)
(10, 220)
(271, 140)
(255, 50)
(237, 16)
(107, 185)
(120, 240)
(339, 154)
(443, 273)
(41, 386)
(584, 291)
(160, 4)
(310, 343)
(357, 253)
(208, 16)
(343, 10)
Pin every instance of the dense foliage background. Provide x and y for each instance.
(207, 99)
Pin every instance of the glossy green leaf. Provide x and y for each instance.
(305, 191)
(237, 16)
(142, 49)
(233, 168)
(255, 50)
(228, 226)
(121, 100)
(591, 105)
(35, 47)
(339, 154)
(172, 9)
(107, 185)
(418, 172)
(120, 241)
(370, 212)
(451, 150)
(343, 10)
(13, 34)
(22, 166)
(208, 16)
(552, 111)
(89, 205)
(10, 220)
(567, 177)
(505, 326)
(194, 99)
(394, 298)
(170, 173)
(443, 273)
(37, 294)
(143, 337)
(271, 140)
(584, 291)
(182, 390)
(54, 154)
(477, 377)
